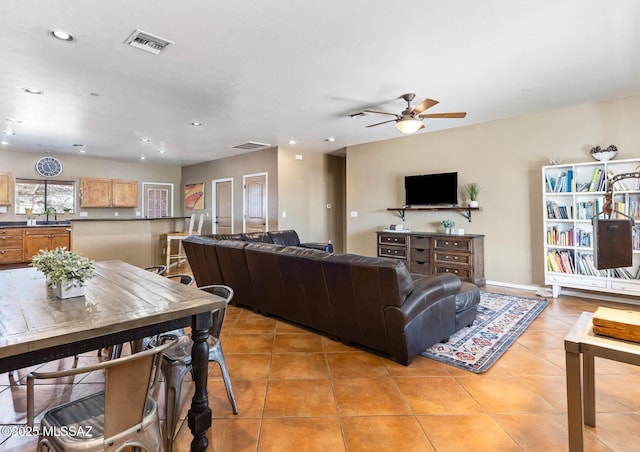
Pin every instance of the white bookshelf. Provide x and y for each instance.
(569, 235)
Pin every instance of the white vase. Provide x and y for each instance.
(473, 204)
(69, 289)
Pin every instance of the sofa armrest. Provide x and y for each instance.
(328, 247)
(427, 290)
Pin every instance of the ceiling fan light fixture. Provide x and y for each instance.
(408, 125)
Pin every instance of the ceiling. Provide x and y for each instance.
(271, 72)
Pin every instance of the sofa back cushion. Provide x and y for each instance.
(304, 281)
(268, 283)
(261, 237)
(235, 274)
(203, 259)
(285, 238)
(360, 288)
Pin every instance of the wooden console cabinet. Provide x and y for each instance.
(95, 192)
(431, 253)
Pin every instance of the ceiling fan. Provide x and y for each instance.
(410, 120)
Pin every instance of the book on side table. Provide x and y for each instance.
(617, 323)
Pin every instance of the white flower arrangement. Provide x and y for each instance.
(60, 265)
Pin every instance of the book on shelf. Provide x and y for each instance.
(560, 262)
(597, 180)
(557, 212)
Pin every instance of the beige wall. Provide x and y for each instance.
(263, 161)
(22, 165)
(505, 157)
(306, 189)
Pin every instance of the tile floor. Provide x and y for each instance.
(297, 391)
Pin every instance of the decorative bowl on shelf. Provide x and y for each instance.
(604, 156)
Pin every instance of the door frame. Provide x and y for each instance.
(266, 199)
(214, 226)
(171, 200)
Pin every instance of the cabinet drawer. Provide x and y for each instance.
(395, 239)
(420, 241)
(392, 251)
(453, 244)
(460, 272)
(422, 267)
(11, 232)
(10, 241)
(10, 256)
(456, 258)
(422, 255)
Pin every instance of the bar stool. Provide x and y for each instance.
(179, 255)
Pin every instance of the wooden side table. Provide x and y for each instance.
(581, 400)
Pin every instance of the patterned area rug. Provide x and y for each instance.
(501, 320)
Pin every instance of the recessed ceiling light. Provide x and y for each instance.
(162, 151)
(82, 151)
(62, 35)
(196, 123)
(9, 132)
(292, 141)
(4, 142)
(32, 91)
(331, 139)
(146, 140)
(14, 120)
(142, 157)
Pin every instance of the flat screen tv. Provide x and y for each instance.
(431, 190)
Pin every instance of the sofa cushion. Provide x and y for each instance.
(285, 238)
(261, 237)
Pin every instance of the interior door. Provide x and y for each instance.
(255, 203)
(157, 199)
(223, 223)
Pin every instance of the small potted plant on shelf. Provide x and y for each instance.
(447, 225)
(604, 154)
(473, 188)
(67, 272)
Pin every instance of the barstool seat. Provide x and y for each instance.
(178, 254)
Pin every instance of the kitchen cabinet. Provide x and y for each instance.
(97, 192)
(36, 239)
(10, 245)
(6, 189)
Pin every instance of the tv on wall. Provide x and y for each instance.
(431, 190)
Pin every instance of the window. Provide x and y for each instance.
(40, 195)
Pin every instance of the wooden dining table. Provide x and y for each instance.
(122, 303)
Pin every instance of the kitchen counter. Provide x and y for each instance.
(41, 224)
(127, 219)
(137, 241)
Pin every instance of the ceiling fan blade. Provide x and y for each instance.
(445, 115)
(427, 103)
(379, 123)
(380, 112)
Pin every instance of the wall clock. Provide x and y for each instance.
(49, 167)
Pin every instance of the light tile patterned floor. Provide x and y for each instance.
(297, 390)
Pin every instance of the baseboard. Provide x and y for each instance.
(570, 292)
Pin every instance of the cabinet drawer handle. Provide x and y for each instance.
(420, 249)
(4, 238)
(419, 262)
(1, 251)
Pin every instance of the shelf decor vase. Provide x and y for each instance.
(69, 289)
(473, 204)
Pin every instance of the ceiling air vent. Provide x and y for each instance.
(251, 145)
(147, 42)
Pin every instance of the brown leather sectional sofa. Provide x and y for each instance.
(370, 301)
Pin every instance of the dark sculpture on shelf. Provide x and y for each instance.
(612, 238)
